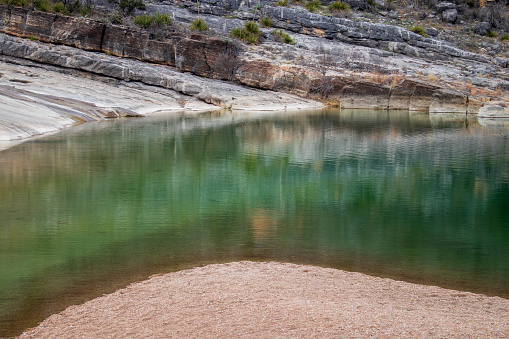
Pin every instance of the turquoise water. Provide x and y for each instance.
(409, 196)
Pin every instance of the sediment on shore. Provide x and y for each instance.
(259, 299)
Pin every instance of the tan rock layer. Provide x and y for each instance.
(197, 54)
(217, 58)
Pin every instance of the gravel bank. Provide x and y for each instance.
(258, 299)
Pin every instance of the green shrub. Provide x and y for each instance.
(282, 3)
(289, 40)
(419, 30)
(266, 22)
(281, 36)
(491, 34)
(504, 37)
(85, 10)
(33, 38)
(250, 33)
(338, 6)
(42, 5)
(20, 3)
(252, 27)
(238, 32)
(77, 7)
(199, 25)
(313, 5)
(252, 39)
(59, 8)
(143, 20)
(162, 19)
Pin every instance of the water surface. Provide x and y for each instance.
(409, 196)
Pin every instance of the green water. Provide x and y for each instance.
(408, 196)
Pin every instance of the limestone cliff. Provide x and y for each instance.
(207, 57)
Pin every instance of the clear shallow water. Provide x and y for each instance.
(407, 196)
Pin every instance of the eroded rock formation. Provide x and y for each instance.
(219, 59)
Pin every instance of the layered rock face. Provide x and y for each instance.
(374, 35)
(207, 57)
(217, 93)
(197, 54)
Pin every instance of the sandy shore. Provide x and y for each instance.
(250, 299)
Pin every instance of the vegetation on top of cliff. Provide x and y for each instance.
(266, 22)
(199, 25)
(66, 7)
(313, 5)
(281, 36)
(143, 21)
(423, 17)
(491, 34)
(162, 20)
(338, 6)
(59, 7)
(419, 30)
(250, 33)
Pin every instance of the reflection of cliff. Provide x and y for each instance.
(263, 224)
(398, 190)
(349, 134)
(321, 160)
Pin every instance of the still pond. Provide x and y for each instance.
(395, 194)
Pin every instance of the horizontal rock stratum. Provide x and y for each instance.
(206, 57)
(38, 98)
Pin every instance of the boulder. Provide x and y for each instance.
(496, 110)
(482, 28)
(292, 80)
(443, 6)
(257, 73)
(432, 31)
(450, 15)
(393, 15)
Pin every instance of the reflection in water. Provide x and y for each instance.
(410, 196)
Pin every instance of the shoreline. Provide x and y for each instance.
(250, 299)
(37, 100)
